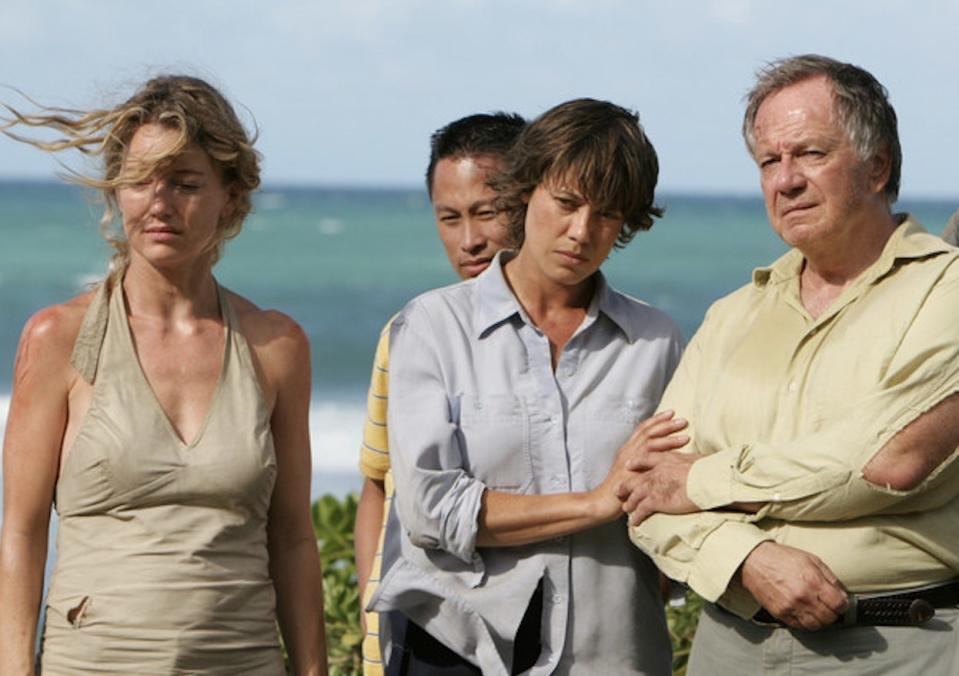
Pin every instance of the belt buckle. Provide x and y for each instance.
(851, 615)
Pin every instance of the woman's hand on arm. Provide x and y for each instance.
(294, 559)
(506, 519)
(654, 473)
(440, 504)
(31, 457)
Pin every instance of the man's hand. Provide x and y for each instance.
(657, 485)
(653, 435)
(654, 478)
(794, 586)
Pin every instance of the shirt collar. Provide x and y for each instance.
(495, 302)
(909, 241)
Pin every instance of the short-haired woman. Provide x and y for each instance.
(510, 396)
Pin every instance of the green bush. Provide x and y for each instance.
(682, 621)
(333, 522)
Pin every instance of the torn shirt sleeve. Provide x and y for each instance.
(820, 476)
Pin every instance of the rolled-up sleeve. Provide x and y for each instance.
(437, 501)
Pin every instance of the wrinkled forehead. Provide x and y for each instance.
(813, 99)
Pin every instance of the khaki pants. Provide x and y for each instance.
(726, 645)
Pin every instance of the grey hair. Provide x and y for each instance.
(861, 104)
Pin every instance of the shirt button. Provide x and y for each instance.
(793, 386)
(557, 598)
(555, 481)
(477, 404)
(570, 370)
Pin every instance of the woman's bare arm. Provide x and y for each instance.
(283, 353)
(506, 519)
(43, 379)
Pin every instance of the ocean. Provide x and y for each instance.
(341, 261)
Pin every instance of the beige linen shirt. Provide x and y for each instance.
(790, 408)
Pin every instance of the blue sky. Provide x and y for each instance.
(346, 92)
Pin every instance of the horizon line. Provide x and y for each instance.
(271, 186)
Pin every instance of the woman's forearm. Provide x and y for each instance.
(509, 520)
(298, 581)
(22, 559)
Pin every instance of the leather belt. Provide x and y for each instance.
(907, 608)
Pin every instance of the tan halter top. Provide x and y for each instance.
(162, 550)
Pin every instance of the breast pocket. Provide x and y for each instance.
(611, 421)
(494, 432)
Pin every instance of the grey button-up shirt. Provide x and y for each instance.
(474, 403)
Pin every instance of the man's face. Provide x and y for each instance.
(469, 226)
(817, 189)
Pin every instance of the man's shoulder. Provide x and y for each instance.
(736, 302)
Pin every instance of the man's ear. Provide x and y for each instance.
(880, 168)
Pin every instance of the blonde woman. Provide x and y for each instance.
(166, 418)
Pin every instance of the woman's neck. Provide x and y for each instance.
(541, 297)
(556, 310)
(158, 293)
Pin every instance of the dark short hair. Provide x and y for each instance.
(480, 134)
(861, 104)
(596, 145)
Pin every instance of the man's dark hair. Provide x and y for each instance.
(598, 148)
(480, 134)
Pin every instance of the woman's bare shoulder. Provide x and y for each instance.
(47, 340)
(58, 325)
(272, 334)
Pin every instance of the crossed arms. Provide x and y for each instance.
(891, 451)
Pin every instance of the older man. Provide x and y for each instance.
(819, 504)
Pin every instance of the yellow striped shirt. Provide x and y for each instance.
(375, 464)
